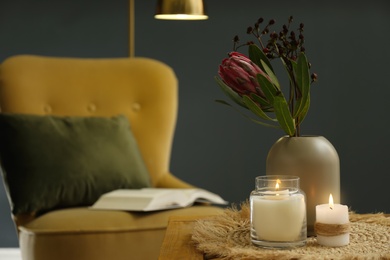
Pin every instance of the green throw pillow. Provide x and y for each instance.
(53, 162)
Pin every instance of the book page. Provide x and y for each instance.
(150, 199)
(189, 196)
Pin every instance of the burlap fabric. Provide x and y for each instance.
(227, 236)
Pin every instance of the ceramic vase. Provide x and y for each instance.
(315, 161)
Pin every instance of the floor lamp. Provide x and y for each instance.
(169, 10)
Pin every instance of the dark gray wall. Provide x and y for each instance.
(214, 147)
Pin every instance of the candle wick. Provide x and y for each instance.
(331, 208)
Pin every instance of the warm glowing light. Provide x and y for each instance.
(331, 204)
(181, 17)
(277, 184)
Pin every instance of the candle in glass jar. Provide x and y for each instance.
(333, 216)
(278, 215)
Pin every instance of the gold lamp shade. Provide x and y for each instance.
(181, 10)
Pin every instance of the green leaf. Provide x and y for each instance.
(303, 114)
(257, 55)
(302, 75)
(271, 74)
(246, 116)
(223, 102)
(269, 89)
(263, 102)
(283, 115)
(279, 103)
(293, 64)
(255, 108)
(230, 93)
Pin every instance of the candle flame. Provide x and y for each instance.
(277, 184)
(331, 204)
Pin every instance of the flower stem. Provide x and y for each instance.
(298, 130)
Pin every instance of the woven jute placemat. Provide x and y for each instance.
(227, 236)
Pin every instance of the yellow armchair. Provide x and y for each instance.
(144, 90)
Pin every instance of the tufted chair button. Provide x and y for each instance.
(47, 109)
(136, 107)
(91, 108)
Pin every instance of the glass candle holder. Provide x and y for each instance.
(278, 212)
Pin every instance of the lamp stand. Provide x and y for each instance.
(131, 28)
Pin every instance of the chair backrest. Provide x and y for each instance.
(143, 89)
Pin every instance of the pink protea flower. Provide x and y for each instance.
(239, 73)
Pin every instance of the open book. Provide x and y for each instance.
(150, 199)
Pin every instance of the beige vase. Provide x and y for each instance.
(315, 161)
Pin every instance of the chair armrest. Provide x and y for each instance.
(22, 219)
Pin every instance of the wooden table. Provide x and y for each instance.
(177, 241)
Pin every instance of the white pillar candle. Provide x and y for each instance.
(279, 217)
(332, 214)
